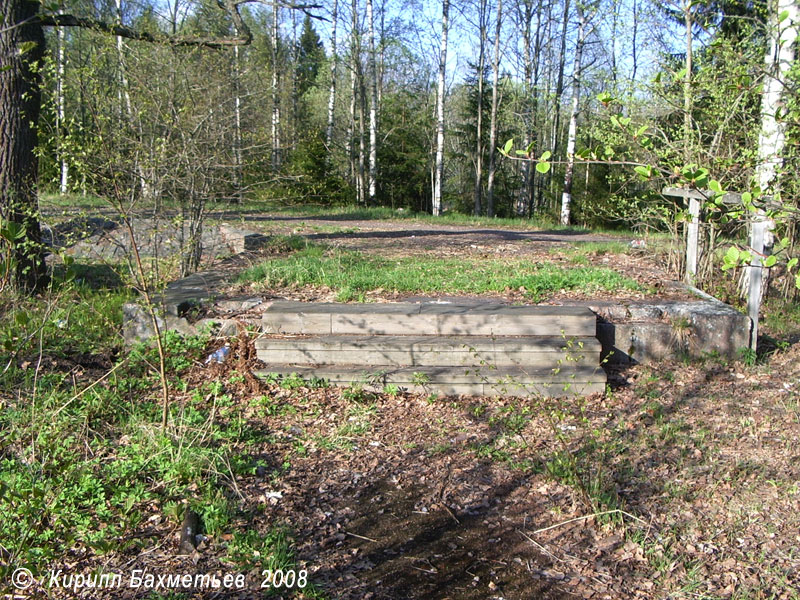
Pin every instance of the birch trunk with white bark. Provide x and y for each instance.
(373, 111)
(276, 107)
(566, 195)
(493, 117)
(436, 204)
(332, 90)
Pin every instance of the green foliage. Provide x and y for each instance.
(273, 550)
(84, 463)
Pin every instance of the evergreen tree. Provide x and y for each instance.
(310, 57)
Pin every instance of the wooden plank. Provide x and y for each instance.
(727, 198)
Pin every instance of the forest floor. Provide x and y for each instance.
(682, 481)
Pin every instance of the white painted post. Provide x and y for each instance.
(693, 230)
(692, 238)
(758, 230)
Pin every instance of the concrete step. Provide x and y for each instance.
(428, 319)
(450, 381)
(432, 351)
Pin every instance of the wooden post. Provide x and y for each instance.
(692, 238)
(693, 230)
(758, 231)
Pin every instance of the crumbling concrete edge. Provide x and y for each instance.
(188, 294)
(659, 331)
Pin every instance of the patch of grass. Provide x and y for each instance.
(72, 202)
(286, 243)
(782, 318)
(84, 460)
(579, 253)
(352, 273)
(360, 213)
(273, 556)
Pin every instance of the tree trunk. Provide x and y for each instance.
(687, 85)
(779, 58)
(237, 123)
(566, 196)
(351, 125)
(22, 47)
(493, 117)
(276, 107)
(61, 110)
(477, 191)
(373, 110)
(559, 91)
(436, 205)
(634, 55)
(332, 91)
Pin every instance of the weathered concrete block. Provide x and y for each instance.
(241, 240)
(137, 324)
(691, 329)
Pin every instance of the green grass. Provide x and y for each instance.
(83, 459)
(72, 202)
(352, 274)
(782, 318)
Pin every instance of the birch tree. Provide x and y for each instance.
(373, 109)
(438, 179)
(493, 117)
(61, 111)
(783, 23)
(276, 106)
(481, 68)
(332, 89)
(566, 195)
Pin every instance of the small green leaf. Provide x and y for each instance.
(605, 97)
(791, 264)
(680, 74)
(543, 167)
(625, 121)
(507, 148)
(26, 47)
(546, 155)
(770, 261)
(747, 198)
(783, 16)
(641, 130)
(715, 186)
(731, 258)
(643, 171)
(521, 152)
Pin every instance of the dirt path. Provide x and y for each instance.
(406, 236)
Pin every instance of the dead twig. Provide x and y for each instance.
(361, 537)
(592, 516)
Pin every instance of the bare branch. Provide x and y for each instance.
(244, 36)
